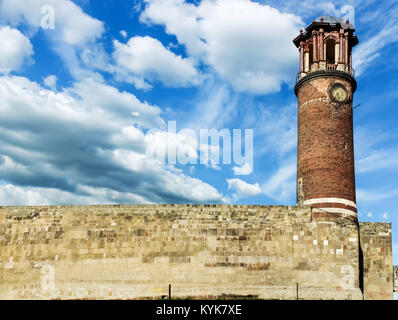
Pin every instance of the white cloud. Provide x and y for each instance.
(15, 49)
(11, 195)
(214, 107)
(243, 189)
(74, 38)
(380, 15)
(276, 126)
(250, 47)
(244, 170)
(385, 216)
(72, 25)
(179, 18)
(373, 156)
(108, 100)
(147, 58)
(184, 144)
(369, 50)
(123, 33)
(309, 8)
(383, 18)
(50, 81)
(378, 160)
(367, 139)
(92, 148)
(373, 196)
(369, 215)
(282, 185)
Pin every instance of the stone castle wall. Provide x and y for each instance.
(136, 251)
(376, 245)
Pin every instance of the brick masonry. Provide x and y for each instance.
(135, 252)
(325, 155)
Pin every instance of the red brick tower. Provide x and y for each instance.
(325, 88)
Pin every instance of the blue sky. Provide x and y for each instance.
(82, 102)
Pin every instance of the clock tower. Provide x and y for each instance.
(325, 88)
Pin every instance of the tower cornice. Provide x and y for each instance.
(327, 24)
(323, 74)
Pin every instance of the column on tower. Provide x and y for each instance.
(341, 45)
(340, 60)
(346, 51)
(322, 58)
(315, 45)
(301, 57)
(306, 57)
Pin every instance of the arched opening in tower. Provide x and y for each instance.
(311, 54)
(330, 51)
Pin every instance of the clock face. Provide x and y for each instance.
(339, 93)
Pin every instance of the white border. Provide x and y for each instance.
(344, 212)
(330, 200)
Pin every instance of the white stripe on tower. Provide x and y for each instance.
(343, 212)
(330, 200)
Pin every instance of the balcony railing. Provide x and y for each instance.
(327, 67)
(331, 67)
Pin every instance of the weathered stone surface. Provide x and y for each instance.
(376, 246)
(136, 251)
